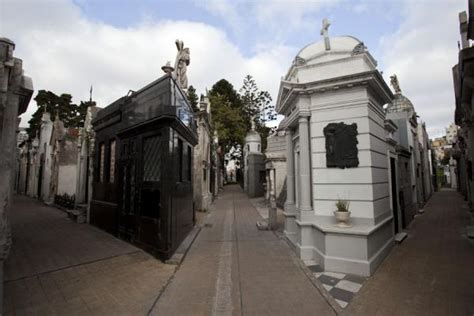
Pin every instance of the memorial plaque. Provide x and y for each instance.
(341, 145)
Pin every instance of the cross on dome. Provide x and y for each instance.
(324, 32)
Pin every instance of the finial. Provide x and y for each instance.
(324, 32)
(168, 69)
(395, 84)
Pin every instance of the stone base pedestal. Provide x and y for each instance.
(357, 250)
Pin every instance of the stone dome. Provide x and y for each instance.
(253, 137)
(340, 44)
(400, 104)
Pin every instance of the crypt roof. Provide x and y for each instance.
(253, 137)
(400, 103)
(341, 45)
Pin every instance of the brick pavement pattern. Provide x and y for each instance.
(431, 272)
(233, 269)
(58, 267)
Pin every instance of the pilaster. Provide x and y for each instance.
(305, 165)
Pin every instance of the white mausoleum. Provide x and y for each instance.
(337, 81)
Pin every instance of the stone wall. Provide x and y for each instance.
(276, 154)
(15, 94)
(202, 163)
(255, 174)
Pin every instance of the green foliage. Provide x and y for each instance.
(193, 98)
(71, 114)
(446, 157)
(342, 205)
(232, 113)
(257, 106)
(225, 88)
(228, 122)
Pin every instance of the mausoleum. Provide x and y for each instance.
(332, 98)
(143, 163)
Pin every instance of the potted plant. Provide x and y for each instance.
(342, 213)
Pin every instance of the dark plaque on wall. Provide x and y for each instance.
(341, 145)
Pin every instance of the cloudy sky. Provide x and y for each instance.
(67, 46)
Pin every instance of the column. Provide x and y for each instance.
(305, 165)
(290, 172)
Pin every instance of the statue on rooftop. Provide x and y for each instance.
(394, 83)
(181, 64)
(324, 32)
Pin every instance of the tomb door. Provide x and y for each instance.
(127, 183)
(40, 177)
(150, 194)
(393, 176)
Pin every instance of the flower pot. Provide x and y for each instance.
(343, 219)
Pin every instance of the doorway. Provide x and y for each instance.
(393, 176)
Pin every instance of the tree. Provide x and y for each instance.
(225, 88)
(193, 98)
(62, 106)
(446, 157)
(257, 107)
(227, 121)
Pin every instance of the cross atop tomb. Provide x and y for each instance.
(324, 32)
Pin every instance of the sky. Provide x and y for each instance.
(117, 46)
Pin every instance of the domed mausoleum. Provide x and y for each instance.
(253, 163)
(332, 98)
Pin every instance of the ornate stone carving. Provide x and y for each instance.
(182, 62)
(359, 49)
(395, 84)
(299, 61)
(341, 145)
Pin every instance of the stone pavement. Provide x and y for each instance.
(233, 268)
(58, 267)
(431, 272)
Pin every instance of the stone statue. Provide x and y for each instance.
(324, 32)
(395, 84)
(181, 64)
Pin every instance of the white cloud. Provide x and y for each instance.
(277, 18)
(422, 53)
(65, 52)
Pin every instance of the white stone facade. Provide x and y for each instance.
(252, 147)
(276, 155)
(44, 165)
(85, 157)
(16, 90)
(337, 85)
(202, 158)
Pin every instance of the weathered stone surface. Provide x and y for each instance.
(15, 93)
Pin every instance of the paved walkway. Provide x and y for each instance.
(431, 272)
(233, 268)
(58, 267)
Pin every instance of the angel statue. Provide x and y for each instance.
(181, 64)
(395, 84)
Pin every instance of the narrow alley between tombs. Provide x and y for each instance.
(233, 268)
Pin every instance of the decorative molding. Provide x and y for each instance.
(299, 61)
(359, 49)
